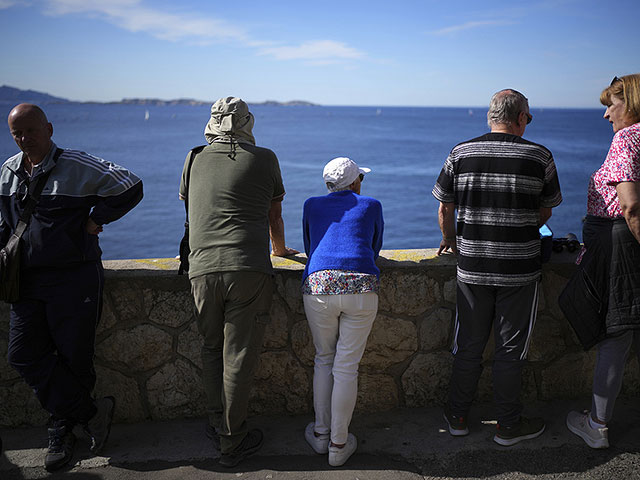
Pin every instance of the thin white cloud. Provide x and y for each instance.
(133, 16)
(320, 52)
(4, 4)
(470, 25)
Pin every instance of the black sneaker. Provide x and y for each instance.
(99, 426)
(250, 444)
(457, 425)
(60, 449)
(213, 435)
(525, 429)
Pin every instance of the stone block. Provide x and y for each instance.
(302, 343)
(548, 341)
(631, 379)
(170, 308)
(552, 286)
(126, 392)
(107, 319)
(426, 380)
(288, 288)
(391, 341)
(435, 330)
(6, 372)
(542, 299)
(276, 333)
(570, 376)
(408, 292)
(281, 385)
(450, 291)
(140, 348)
(5, 308)
(19, 406)
(376, 393)
(176, 391)
(126, 302)
(190, 344)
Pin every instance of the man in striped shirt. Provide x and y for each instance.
(503, 188)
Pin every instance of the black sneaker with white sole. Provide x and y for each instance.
(525, 429)
(250, 444)
(60, 448)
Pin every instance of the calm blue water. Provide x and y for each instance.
(405, 148)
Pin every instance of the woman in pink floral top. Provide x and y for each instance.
(612, 228)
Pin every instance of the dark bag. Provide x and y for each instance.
(10, 253)
(184, 243)
(584, 300)
(10, 270)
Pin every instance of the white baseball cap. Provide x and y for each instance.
(342, 172)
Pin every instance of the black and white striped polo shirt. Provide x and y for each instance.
(498, 183)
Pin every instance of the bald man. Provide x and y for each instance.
(53, 322)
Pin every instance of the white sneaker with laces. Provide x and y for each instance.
(320, 443)
(578, 423)
(338, 456)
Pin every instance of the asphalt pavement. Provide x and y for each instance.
(402, 444)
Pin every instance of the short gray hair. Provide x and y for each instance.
(332, 187)
(505, 107)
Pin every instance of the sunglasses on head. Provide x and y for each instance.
(615, 79)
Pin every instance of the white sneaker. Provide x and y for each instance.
(578, 423)
(338, 456)
(320, 443)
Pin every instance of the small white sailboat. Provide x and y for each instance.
(146, 115)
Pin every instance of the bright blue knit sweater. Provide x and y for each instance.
(342, 231)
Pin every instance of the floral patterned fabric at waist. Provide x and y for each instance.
(339, 282)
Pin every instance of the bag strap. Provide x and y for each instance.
(194, 151)
(34, 196)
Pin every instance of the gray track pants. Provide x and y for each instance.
(607, 377)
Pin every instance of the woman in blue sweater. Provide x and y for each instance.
(342, 239)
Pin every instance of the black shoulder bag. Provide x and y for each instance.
(10, 253)
(184, 243)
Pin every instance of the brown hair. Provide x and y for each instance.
(627, 89)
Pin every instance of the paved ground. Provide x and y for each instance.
(406, 444)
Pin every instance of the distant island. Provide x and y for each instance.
(12, 95)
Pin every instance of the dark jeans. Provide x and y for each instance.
(52, 338)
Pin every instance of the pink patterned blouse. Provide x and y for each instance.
(621, 165)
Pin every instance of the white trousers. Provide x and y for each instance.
(340, 326)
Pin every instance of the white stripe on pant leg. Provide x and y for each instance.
(456, 331)
(532, 322)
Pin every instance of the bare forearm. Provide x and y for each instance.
(629, 196)
(447, 222)
(632, 216)
(276, 232)
(545, 214)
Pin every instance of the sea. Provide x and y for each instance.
(405, 148)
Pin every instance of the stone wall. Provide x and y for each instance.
(147, 351)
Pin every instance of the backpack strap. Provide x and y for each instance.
(35, 189)
(192, 154)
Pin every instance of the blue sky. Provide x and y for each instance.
(411, 53)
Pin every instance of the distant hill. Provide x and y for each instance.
(15, 95)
